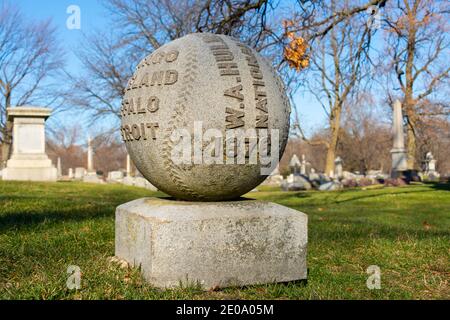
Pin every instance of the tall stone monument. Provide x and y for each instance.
(128, 169)
(90, 157)
(58, 167)
(91, 174)
(398, 152)
(295, 165)
(70, 173)
(189, 106)
(303, 166)
(29, 161)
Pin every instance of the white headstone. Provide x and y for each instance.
(398, 152)
(80, 173)
(29, 160)
(58, 167)
(303, 165)
(90, 157)
(115, 176)
(128, 165)
(338, 171)
(295, 165)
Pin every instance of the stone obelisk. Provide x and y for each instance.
(91, 175)
(58, 167)
(303, 166)
(128, 165)
(398, 152)
(90, 160)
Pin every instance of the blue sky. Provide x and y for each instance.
(94, 16)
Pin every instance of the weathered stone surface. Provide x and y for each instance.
(214, 244)
(204, 78)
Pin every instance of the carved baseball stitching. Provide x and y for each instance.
(177, 121)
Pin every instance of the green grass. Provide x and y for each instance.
(45, 227)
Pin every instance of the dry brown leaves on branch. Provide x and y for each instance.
(295, 53)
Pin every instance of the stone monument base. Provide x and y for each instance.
(399, 162)
(214, 244)
(29, 167)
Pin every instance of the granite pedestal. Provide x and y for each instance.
(29, 161)
(214, 244)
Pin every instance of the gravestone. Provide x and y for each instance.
(338, 171)
(275, 178)
(28, 160)
(295, 165)
(70, 173)
(115, 176)
(303, 165)
(80, 172)
(208, 235)
(141, 182)
(296, 181)
(430, 168)
(430, 163)
(330, 186)
(128, 172)
(91, 175)
(58, 167)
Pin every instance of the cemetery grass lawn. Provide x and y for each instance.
(45, 227)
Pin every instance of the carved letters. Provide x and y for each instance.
(144, 104)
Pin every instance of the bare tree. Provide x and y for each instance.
(29, 55)
(312, 20)
(338, 63)
(63, 143)
(109, 152)
(366, 139)
(417, 47)
(140, 27)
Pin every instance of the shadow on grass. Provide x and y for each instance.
(439, 186)
(280, 196)
(375, 195)
(370, 230)
(24, 220)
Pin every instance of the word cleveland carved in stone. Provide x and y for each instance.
(198, 83)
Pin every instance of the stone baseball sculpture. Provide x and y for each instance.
(192, 85)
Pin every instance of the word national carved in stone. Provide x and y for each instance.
(262, 118)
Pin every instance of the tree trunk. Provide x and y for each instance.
(411, 141)
(334, 131)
